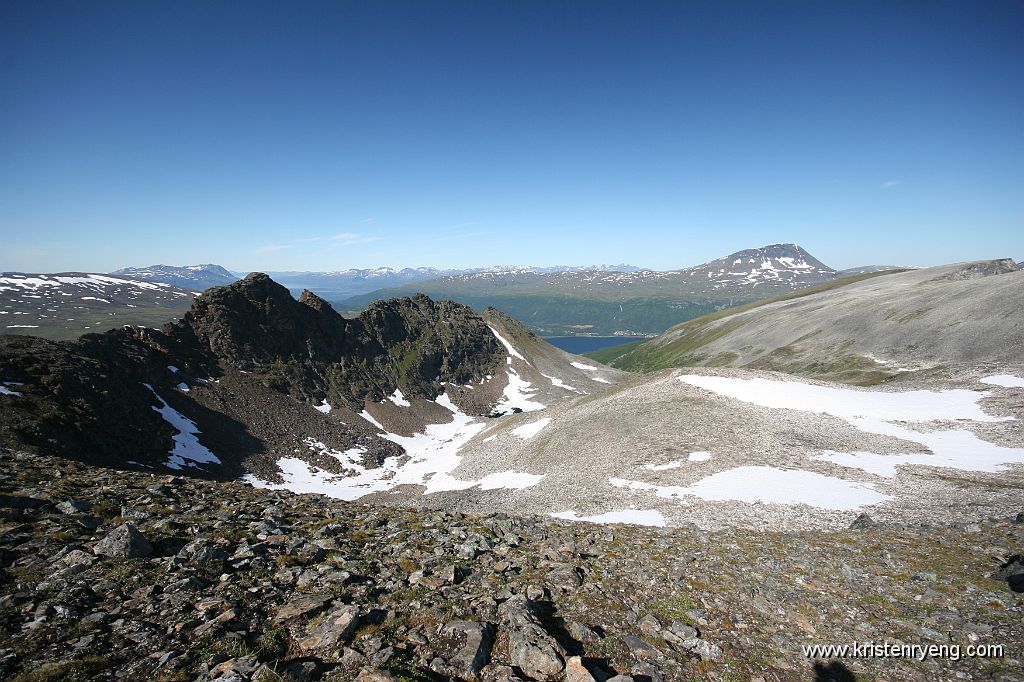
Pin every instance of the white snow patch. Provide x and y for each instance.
(880, 361)
(954, 449)
(771, 485)
(636, 517)
(398, 399)
(517, 394)
(324, 407)
(848, 404)
(93, 298)
(699, 456)
(663, 467)
(508, 346)
(558, 383)
(188, 451)
(512, 480)
(528, 431)
(490, 438)
(600, 380)
(369, 417)
(580, 365)
(24, 326)
(6, 391)
(173, 369)
(350, 457)
(183, 387)
(1005, 380)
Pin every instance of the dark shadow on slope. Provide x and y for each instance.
(833, 671)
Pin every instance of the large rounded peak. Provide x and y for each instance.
(255, 288)
(259, 285)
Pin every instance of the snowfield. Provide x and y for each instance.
(429, 459)
(877, 412)
(768, 484)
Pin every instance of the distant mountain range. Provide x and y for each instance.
(615, 302)
(338, 284)
(557, 300)
(195, 277)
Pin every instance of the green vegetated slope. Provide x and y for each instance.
(858, 330)
(684, 345)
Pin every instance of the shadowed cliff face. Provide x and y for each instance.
(306, 349)
(91, 398)
(256, 321)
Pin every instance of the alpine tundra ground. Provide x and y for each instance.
(116, 575)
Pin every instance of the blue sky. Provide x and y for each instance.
(321, 136)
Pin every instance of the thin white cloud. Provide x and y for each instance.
(467, 235)
(349, 238)
(889, 184)
(270, 248)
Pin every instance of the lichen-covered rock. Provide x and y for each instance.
(124, 542)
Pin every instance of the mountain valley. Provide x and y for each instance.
(425, 492)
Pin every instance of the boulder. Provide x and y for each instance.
(124, 542)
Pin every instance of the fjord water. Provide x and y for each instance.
(584, 344)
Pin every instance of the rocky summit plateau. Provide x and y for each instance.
(266, 489)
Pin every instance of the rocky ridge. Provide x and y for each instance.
(111, 575)
(282, 356)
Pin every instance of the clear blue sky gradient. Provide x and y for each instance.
(321, 136)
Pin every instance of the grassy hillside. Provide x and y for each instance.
(681, 346)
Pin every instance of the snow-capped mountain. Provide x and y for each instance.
(67, 304)
(195, 277)
(776, 264)
(785, 266)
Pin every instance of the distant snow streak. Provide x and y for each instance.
(508, 346)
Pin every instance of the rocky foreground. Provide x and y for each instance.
(109, 574)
